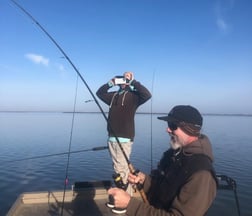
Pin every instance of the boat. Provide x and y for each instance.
(85, 198)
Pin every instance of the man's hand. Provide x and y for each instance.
(111, 82)
(121, 198)
(135, 179)
(129, 76)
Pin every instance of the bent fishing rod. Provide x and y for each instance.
(131, 168)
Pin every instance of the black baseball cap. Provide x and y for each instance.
(185, 114)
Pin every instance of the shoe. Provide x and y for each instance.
(118, 210)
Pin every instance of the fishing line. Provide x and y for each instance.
(152, 87)
(69, 147)
(57, 154)
(131, 168)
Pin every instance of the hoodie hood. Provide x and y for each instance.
(200, 146)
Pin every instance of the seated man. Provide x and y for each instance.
(184, 182)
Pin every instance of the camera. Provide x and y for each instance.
(120, 80)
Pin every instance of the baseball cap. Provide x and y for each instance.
(187, 117)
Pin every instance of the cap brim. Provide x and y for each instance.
(167, 118)
(164, 118)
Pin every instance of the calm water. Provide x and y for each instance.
(24, 135)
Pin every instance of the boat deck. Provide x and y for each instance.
(82, 200)
(89, 199)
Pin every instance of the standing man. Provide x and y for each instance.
(184, 184)
(122, 108)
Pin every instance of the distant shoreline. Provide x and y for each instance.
(204, 114)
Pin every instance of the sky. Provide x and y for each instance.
(196, 52)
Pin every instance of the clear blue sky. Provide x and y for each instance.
(196, 52)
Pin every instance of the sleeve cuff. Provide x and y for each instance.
(110, 84)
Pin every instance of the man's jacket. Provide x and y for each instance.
(184, 183)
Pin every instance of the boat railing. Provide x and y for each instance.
(227, 183)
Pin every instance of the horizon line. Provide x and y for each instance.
(141, 112)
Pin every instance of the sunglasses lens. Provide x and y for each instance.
(172, 126)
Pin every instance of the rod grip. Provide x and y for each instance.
(139, 186)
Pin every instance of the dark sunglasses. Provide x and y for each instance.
(173, 126)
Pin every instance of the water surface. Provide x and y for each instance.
(25, 135)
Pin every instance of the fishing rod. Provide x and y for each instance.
(131, 168)
(58, 154)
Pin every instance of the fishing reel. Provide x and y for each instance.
(119, 182)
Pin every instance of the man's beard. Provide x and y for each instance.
(174, 142)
